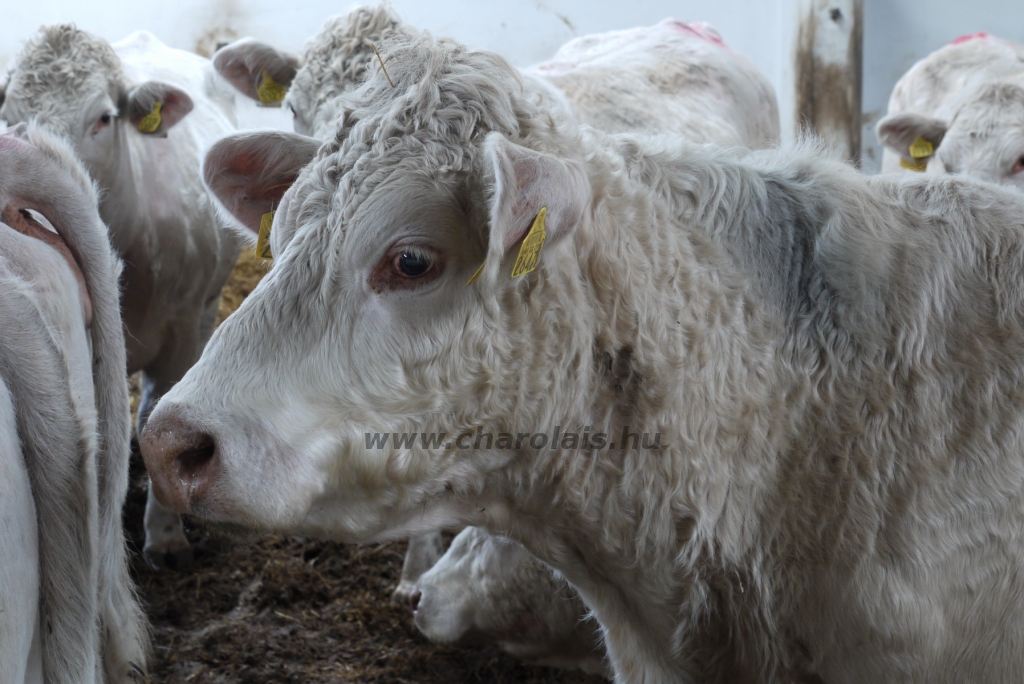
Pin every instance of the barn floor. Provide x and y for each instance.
(281, 609)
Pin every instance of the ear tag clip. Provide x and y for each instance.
(151, 121)
(263, 238)
(270, 91)
(921, 148)
(529, 251)
(472, 278)
(919, 166)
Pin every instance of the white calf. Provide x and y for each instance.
(492, 588)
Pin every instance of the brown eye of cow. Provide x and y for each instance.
(412, 265)
(1018, 167)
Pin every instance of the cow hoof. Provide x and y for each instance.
(404, 593)
(170, 559)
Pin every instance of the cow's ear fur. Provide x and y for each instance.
(245, 62)
(522, 181)
(899, 131)
(175, 104)
(248, 173)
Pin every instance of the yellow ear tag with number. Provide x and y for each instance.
(263, 238)
(921, 148)
(270, 91)
(529, 252)
(151, 121)
(918, 166)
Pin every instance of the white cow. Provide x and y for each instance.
(809, 378)
(965, 104)
(492, 588)
(140, 114)
(67, 609)
(671, 77)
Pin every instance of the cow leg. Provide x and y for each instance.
(424, 551)
(166, 544)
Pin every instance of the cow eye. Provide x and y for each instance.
(1018, 167)
(412, 265)
(102, 122)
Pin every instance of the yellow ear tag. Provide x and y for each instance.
(270, 91)
(529, 252)
(151, 121)
(472, 278)
(263, 239)
(918, 166)
(921, 148)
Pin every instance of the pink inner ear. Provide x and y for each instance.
(14, 217)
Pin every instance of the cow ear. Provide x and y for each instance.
(248, 173)
(912, 136)
(154, 107)
(524, 182)
(257, 70)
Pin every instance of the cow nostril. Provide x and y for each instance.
(192, 461)
(414, 599)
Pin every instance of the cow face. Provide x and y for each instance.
(985, 139)
(72, 83)
(367, 324)
(484, 583)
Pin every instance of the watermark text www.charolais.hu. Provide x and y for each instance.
(554, 440)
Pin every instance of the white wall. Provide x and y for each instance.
(896, 32)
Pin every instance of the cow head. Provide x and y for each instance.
(487, 584)
(366, 325)
(72, 83)
(985, 138)
(332, 62)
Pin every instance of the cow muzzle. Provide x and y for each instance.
(181, 460)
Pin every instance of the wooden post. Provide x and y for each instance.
(829, 61)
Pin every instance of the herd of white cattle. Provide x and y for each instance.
(609, 240)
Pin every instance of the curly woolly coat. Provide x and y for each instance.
(833, 363)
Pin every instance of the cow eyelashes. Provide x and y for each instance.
(105, 119)
(412, 264)
(406, 268)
